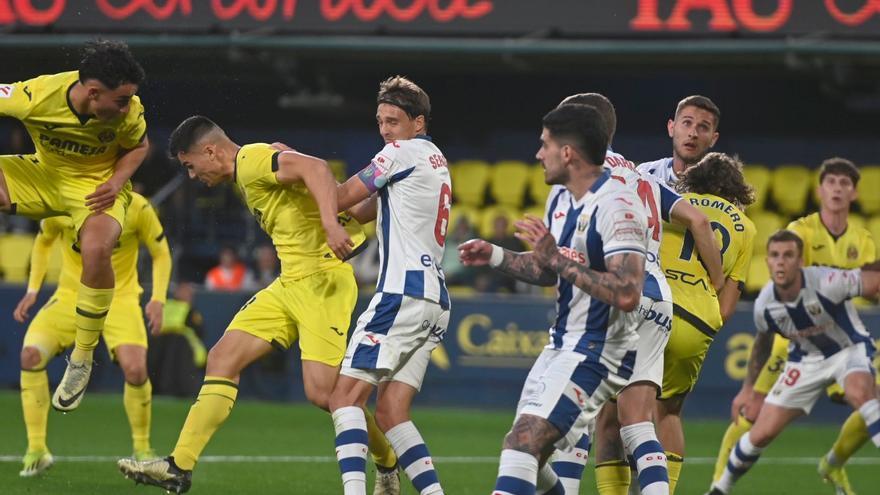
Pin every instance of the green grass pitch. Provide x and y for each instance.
(272, 448)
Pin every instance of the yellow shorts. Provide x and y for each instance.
(314, 309)
(774, 366)
(683, 358)
(37, 191)
(56, 320)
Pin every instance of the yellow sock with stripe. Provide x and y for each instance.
(35, 407)
(137, 400)
(613, 478)
(211, 409)
(380, 448)
(853, 435)
(674, 462)
(731, 436)
(92, 306)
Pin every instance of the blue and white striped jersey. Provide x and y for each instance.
(658, 201)
(822, 320)
(415, 193)
(661, 169)
(609, 219)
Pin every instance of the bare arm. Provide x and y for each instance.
(352, 192)
(524, 267)
(126, 165)
(870, 282)
(698, 224)
(365, 211)
(619, 286)
(761, 349)
(728, 297)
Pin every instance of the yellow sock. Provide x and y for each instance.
(380, 448)
(137, 400)
(91, 309)
(734, 432)
(211, 409)
(852, 436)
(674, 462)
(613, 478)
(35, 406)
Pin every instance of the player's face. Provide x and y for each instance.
(202, 165)
(109, 104)
(693, 134)
(837, 192)
(397, 125)
(784, 262)
(551, 156)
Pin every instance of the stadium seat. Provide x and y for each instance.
(489, 215)
(339, 169)
(869, 189)
(463, 211)
(814, 187)
(469, 180)
(538, 189)
(789, 188)
(508, 183)
(766, 223)
(759, 274)
(758, 176)
(15, 255)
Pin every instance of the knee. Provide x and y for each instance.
(859, 397)
(96, 250)
(318, 396)
(388, 417)
(31, 358)
(135, 373)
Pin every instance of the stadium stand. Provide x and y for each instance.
(508, 182)
(470, 178)
(790, 186)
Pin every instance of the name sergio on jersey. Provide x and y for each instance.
(66, 146)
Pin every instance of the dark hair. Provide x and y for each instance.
(602, 104)
(405, 94)
(720, 175)
(110, 62)
(188, 133)
(582, 127)
(787, 236)
(700, 102)
(839, 166)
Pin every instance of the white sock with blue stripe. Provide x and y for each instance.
(517, 473)
(870, 412)
(640, 441)
(548, 481)
(351, 448)
(569, 466)
(414, 458)
(742, 457)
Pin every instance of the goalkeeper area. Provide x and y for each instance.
(284, 448)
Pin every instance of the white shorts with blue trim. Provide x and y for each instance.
(655, 323)
(394, 339)
(802, 383)
(568, 388)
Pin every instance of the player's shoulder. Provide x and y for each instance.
(805, 224)
(765, 296)
(654, 167)
(46, 92)
(251, 159)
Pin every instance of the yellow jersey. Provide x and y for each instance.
(73, 144)
(141, 227)
(854, 248)
(692, 289)
(288, 213)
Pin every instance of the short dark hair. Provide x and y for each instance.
(188, 133)
(601, 103)
(405, 94)
(787, 236)
(110, 62)
(702, 102)
(720, 175)
(582, 127)
(839, 166)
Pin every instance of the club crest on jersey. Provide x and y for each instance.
(583, 222)
(814, 309)
(106, 136)
(852, 253)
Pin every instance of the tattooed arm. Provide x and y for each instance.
(524, 267)
(619, 286)
(761, 349)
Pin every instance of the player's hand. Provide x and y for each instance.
(753, 406)
(155, 311)
(475, 252)
(738, 405)
(103, 197)
(21, 310)
(281, 146)
(339, 241)
(532, 230)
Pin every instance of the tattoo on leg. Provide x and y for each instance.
(532, 435)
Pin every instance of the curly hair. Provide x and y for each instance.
(110, 62)
(720, 175)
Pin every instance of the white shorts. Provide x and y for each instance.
(801, 384)
(567, 389)
(393, 340)
(655, 323)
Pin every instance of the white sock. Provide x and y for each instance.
(569, 466)
(517, 473)
(548, 481)
(640, 441)
(742, 457)
(414, 458)
(870, 412)
(351, 448)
